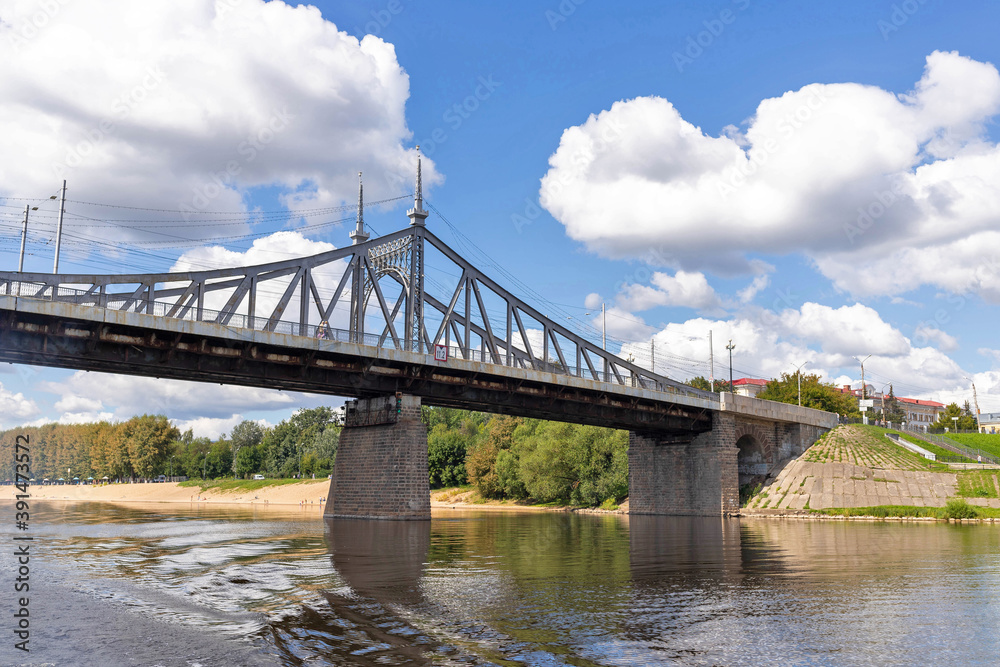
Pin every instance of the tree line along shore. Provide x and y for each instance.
(499, 458)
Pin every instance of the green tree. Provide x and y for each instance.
(246, 435)
(582, 465)
(247, 460)
(307, 431)
(893, 411)
(481, 461)
(815, 394)
(704, 384)
(446, 450)
(147, 440)
(219, 462)
(966, 421)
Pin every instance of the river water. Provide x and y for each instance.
(187, 585)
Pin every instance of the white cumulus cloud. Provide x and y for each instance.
(904, 187)
(15, 408)
(188, 104)
(124, 396)
(688, 289)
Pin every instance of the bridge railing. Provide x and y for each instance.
(236, 321)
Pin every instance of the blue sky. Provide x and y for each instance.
(694, 166)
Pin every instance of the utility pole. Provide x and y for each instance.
(862, 362)
(711, 362)
(731, 347)
(62, 211)
(652, 355)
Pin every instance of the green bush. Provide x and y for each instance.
(959, 509)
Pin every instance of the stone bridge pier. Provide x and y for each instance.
(702, 474)
(381, 466)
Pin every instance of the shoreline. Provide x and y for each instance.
(312, 494)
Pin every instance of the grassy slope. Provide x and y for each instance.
(867, 446)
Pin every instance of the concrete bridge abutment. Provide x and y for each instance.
(381, 466)
(703, 474)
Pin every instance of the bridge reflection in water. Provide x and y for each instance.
(643, 589)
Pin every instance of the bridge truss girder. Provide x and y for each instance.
(261, 297)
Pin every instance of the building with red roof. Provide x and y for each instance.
(748, 386)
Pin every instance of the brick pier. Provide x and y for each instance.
(684, 475)
(381, 466)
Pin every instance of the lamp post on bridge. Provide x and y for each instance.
(731, 347)
(798, 375)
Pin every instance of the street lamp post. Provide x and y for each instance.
(731, 347)
(798, 374)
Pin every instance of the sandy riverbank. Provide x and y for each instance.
(306, 492)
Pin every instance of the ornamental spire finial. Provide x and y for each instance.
(417, 214)
(359, 235)
(419, 198)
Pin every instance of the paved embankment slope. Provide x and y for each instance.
(855, 466)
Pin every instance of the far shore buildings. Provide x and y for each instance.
(920, 414)
(989, 422)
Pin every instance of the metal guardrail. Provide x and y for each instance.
(970, 453)
(118, 302)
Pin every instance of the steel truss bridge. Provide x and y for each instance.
(359, 321)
